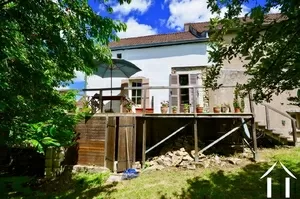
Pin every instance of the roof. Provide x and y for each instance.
(154, 39)
(204, 26)
(190, 34)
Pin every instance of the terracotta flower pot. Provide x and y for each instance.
(217, 109)
(237, 110)
(199, 109)
(174, 111)
(164, 109)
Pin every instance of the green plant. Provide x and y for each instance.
(174, 108)
(165, 103)
(128, 106)
(242, 104)
(57, 130)
(186, 106)
(198, 105)
(236, 103)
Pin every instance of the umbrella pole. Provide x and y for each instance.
(110, 89)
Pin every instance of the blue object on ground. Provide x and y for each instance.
(130, 173)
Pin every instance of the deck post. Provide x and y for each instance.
(196, 139)
(100, 101)
(144, 101)
(144, 142)
(294, 131)
(254, 139)
(134, 141)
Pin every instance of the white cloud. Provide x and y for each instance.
(140, 6)
(134, 29)
(189, 11)
(79, 76)
(275, 9)
(162, 22)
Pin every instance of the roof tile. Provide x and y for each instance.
(179, 36)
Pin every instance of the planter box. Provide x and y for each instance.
(140, 110)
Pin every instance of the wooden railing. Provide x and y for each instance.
(169, 88)
(293, 121)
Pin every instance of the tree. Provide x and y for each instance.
(42, 44)
(269, 44)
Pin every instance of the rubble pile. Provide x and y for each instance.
(181, 153)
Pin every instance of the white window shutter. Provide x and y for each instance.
(192, 82)
(174, 93)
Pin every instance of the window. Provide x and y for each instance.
(184, 92)
(136, 94)
(119, 55)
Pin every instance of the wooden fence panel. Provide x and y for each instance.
(110, 143)
(92, 141)
(126, 139)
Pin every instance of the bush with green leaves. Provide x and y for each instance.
(56, 130)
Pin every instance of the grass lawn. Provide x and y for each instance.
(235, 182)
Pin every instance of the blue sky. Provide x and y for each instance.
(148, 17)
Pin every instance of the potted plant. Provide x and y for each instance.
(217, 109)
(128, 107)
(236, 104)
(164, 107)
(223, 108)
(242, 104)
(174, 109)
(186, 108)
(228, 108)
(199, 108)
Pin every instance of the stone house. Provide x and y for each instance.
(180, 58)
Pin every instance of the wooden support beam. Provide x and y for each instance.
(134, 141)
(249, 146)
(160, 142)
(144, 142)
(222, 137)
(254, 139)
(144, 100)
(196, 139)
(294, 128)
(100, 101)
(267, 118)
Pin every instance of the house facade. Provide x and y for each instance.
(158, 56)
(180, 59)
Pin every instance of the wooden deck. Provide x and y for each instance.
(179, 115)
(127, 137)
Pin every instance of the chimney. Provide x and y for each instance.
(186, 27)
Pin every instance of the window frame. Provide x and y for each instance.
(132, 91)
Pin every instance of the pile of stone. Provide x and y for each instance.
(173, 156)
(182, 158)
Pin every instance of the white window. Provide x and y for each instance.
(136, 94)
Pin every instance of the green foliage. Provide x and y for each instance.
(57, 130)
(270, 50)
(186, 106)
(42, 44)
(238, 95)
